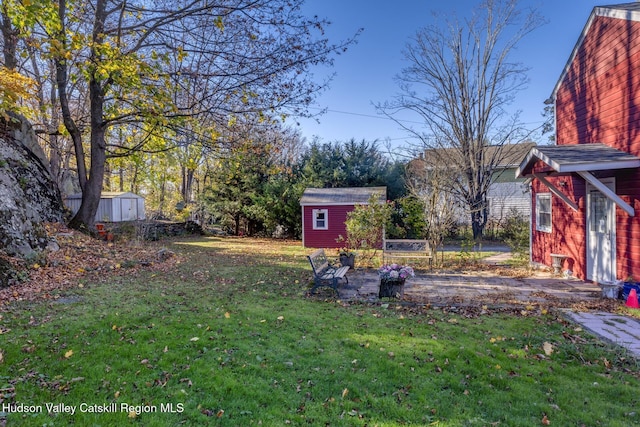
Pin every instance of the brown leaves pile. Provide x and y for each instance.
(79, 257)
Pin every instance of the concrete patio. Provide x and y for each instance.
(486, 287)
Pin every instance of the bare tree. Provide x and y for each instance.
(441, 208)
(459, 80)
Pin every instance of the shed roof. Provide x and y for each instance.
(577, 158)
(109, 195)
(341, 196)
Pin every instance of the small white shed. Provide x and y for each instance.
(114, 206)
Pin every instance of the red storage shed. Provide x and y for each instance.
(324, 212)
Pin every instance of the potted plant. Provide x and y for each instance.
(392, 280)
(347, 257)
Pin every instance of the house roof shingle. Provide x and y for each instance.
(578, 157)
(341, 196)
(497, 156)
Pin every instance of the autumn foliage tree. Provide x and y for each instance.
(163, 66)
(13, 88)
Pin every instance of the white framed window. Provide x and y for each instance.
(320, 219)
(543, 212)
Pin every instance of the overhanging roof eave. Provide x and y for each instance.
(599, 166)
(562, 164)
(524, 171)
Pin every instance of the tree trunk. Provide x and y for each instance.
(51, 121)
(107, 176)
(10, 37)
(134, 179)
(85, 217)
(479, 213)
(237, 220)
(92, 190)
(62, 79)
(187, 183)
(161, 197)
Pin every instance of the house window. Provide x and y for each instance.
(543, 212)
(320, 219)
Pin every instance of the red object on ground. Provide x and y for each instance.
(632, 299)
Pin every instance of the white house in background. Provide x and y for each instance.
(507, 193)
(113, 207)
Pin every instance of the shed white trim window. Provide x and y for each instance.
(320, 219)
(543, 212)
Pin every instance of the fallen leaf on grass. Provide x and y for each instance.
(345, 392)
(79, 256)
(545, 421)
(68, 354)
(548, 348)
(28, 348)
(227, 315)
(194, 339)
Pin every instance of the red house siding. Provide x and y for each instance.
(627, 227)
(567, 235)
(336, 217)
(598, 100)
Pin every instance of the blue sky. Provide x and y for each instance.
(365, 73)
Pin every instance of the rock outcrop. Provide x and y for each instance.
(29, 197)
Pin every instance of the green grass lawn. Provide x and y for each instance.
(228, 337)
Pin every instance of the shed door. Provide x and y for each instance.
(601, 235)
(129, 210)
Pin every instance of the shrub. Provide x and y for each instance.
(365, 225)
(515, 232)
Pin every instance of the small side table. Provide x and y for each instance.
(557, 261)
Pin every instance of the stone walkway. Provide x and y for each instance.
(487, 288)
(621, 330)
